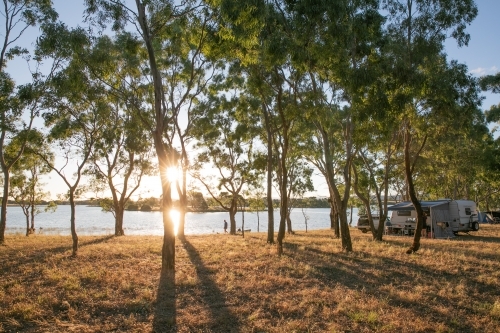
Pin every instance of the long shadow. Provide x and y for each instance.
(475, 238)
(339, 269)
(222, 319)
(165, 313)
(8, 267)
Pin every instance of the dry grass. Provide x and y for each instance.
(229, 284)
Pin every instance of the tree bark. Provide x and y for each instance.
(5, 200)
(289, 223)
(411, 192)
(233, 209)
(119, 221)
(168, 248)
(270, 207)
(74, 236)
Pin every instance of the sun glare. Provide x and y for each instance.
(175, 216)
(172, 174)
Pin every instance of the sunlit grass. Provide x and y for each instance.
(226, 283)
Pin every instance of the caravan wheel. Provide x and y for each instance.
(475, 226)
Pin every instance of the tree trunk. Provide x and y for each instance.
(243, 222)
(74, 236)
(119, 212)
(183, 200)
(289, 223)
(27, 222)
(270, 208)
(411, 192)
(32, 215)
(182, 221)
(5, 199)
(168, 249)
(344, 231)
(232, 217)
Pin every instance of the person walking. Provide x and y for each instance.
(225, 226)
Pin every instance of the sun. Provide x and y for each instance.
(172, 174)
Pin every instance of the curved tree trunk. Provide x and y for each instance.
(411, 192)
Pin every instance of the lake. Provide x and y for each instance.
(93, 221)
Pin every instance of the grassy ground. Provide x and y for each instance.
(226, 283)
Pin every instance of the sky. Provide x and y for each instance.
(482, 57)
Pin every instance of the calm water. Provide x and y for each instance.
(93, 221)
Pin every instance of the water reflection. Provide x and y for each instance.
(175, 216)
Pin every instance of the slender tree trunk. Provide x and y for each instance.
(32, 208)
(74, 236)
(336, 227)
(289, 223)
(183, 200)
(270, 207)
(5, 200)
(284, 198)
(411, 192)
(26, 214)
(366, 203)
(233, 209)
(243, 221)
(332, 213)
(168, 249)
(182, 222)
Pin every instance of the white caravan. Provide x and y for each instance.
(445, 218)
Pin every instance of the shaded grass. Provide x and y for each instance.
(226, 283)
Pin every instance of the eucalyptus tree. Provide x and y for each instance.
(19, 105)
(337, 46)
(285, 111)
(26, 186)
(76, 109)
(122, 156)
(378, 141)
(226, 143)
(417, 30)
(300, 182)
(175, 73)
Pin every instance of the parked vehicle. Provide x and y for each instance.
(445, 218)
(364, 225)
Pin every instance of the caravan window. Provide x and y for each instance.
(404, 212)
(467, 211)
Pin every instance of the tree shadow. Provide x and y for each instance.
(221, 318)
(357, 274)
(165, 318)
(8, 267)
(478, 238)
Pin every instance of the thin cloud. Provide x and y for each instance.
(480, 71)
